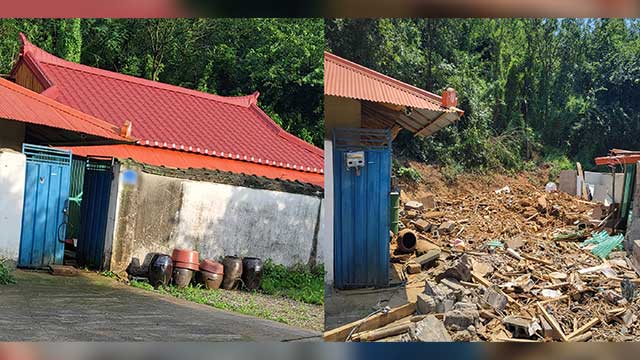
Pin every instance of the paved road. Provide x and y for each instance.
(89, 307)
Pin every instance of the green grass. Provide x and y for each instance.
(297, 283)
(6, 277)
(215, 297)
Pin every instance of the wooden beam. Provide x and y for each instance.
(374, 322)
(584, 328)
(552, 322)
(584, 194)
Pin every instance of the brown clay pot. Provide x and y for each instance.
(185, 256)
(212, 266)
(182, 277)
(251, 273)
(407, 240)
(184, 265)
(210, 280)
(232, 272)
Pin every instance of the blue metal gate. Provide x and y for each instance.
(362, 183)
(45, 206)
(94, 212)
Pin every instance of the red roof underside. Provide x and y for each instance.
(185, 160)
(168, 116)
(20, 104)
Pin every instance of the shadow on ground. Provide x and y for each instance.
(89, 307)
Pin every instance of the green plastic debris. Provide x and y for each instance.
(605, 243)
(569, 235)
(495, 244)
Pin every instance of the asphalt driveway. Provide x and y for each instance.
(89, 307)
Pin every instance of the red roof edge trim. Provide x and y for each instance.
(228, 155)
(398, 83)
(64, 108)
(285, 135)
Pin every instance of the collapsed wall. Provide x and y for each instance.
(163, 209)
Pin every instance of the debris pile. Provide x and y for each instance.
(514, 264)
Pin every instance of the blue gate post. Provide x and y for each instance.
(362, 185)
(46, 196)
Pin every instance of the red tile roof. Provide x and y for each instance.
(172, 117)
(185, 160)
(347, 79)
(20, 104)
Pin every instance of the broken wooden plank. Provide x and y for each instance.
(538, 260)
(552, 321)
(373, 335)
(486, 283)
(584, 328)
(373, 322)
(581, 338)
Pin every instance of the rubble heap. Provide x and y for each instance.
(509, 264)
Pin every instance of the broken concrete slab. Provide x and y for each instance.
(426, 304)
(428, 258)
(413, 205)
(567, 181)
(460, 319)
(422, 225)
(446, 227)
(521, 327)
(460, 270)
(495, 298)
(430, 329)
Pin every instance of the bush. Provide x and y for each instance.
(6, 277)
(298, 283)
(557, 162)
(409, 174)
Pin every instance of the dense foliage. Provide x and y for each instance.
(281, 58)
(530, 88)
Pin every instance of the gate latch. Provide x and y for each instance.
(355, 160)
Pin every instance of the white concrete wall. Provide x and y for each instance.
(218, 220)
(326, 241)
(160, 213)
(600, 185)
(12, 178)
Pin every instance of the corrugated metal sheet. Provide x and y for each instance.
(185, 160)
(45, 197)
(95, 207)
(361, 209)
(168, 116)
(348, 79)
(20, 104)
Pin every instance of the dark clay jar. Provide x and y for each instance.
(160, 270)
(251, 273)
(232, 272)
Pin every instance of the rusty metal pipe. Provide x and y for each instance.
(407, 240)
